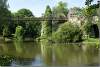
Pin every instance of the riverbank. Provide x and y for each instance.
(6, 39)
(91, 40)
(85, 41)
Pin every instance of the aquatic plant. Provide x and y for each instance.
(6, 60)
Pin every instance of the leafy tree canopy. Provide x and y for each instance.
(4, 14)
(23, 13)
(60, 10)
(3, 4)
(48, 11)
(67, 32)
(47, 25)
(91, 9)
(88, 2)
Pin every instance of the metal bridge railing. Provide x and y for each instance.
(38, 19)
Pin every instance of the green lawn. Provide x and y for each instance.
(91, 40)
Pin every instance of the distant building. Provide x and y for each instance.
(77, 19)
(74, 16)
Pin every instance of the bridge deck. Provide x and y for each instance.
(38, 19)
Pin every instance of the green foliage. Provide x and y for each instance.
(4, 14)
(91, 9)
(23, 13)
(98, 12)
(6, 31)
(87, 26)
(6, 60)
(47, 25)
(3, 3)
(89, 12)
(88, 2)
(32, 28)
(60, 11)
(48, 12)
(19, 33)
(95, 40)
(67, 32)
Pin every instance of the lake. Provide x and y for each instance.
(46, 54)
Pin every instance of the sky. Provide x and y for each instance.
(38, 6)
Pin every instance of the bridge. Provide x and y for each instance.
(26, 19)
(38, 19)
(46, 26)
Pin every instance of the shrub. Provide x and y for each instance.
(67, 32)
(87, 27)
(6, 60)
(6, 32)
(19, 33)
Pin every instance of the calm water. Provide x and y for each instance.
(44, 54)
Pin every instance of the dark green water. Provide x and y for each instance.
(44, 54)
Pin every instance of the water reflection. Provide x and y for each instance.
(18, 46)
(47, 54)
(46, 51)
(70, 55)
(74, 55)
(26, 53)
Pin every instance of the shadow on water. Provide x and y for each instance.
(48, 54)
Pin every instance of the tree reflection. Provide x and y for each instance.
(46, 51)
(18, 46)
(69, 55)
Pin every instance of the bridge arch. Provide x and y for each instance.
(95, 31)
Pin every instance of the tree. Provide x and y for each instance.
(91, 9)
(19, 33)
(3, 3)
(47, 25)
(67, 32)
(23, 13)
(31, 28)
(48, 12)
(4, 15)
(88, 2)
(60, 11)
(89, 12)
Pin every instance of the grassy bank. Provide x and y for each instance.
(91, 40)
